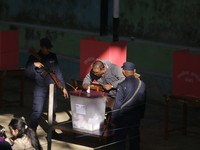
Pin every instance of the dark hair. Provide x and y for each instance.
(21, 126)
(2, 132)
(98, 64)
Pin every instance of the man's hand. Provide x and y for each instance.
(85, 86)
(65, 93)
(38, 64)
(107, 86)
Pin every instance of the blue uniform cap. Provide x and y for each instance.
(128, 66)
(46, 42)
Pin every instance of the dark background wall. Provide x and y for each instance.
(168, 21)
(159, 27)
(74, 14)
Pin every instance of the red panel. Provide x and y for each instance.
(117, 52)
(9, 60)
(186, 74)
(9, 40)
(90, 50)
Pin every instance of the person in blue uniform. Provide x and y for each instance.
(41, 86)
(128, 108)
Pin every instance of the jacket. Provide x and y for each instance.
(51, 61)
(23, 143)
(113, 76)
(134, 110)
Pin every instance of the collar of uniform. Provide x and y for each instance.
(42, 55)
(131, 76)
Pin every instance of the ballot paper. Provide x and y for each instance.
(88, 90)
(80, 109)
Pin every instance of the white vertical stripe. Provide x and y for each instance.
(116, 9)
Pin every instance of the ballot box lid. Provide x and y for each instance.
(92, 94)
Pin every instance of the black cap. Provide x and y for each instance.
(46, 42)
(128, 66)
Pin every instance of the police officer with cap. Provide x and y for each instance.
(128, 108)
(41, 87)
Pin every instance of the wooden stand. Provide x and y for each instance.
(67, 126)
(184, 101)
(12, 72)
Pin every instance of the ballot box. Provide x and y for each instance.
(88, 109)
(9, 49)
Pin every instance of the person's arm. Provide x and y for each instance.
(59, 76)
(10, 141)
(86, 81)
(30, 67)
(17, 145)
(117, 72)
(108, 86)
(118, 102)
(65, 93)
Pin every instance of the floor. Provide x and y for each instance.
(151, 129)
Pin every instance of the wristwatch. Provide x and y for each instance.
(62, 88)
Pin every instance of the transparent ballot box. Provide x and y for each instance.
(88, 109)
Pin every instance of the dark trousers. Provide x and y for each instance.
(134, 137)
(109, 106)
(38, 102)
(110, 102)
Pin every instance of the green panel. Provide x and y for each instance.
(150, 57)
(65, 43)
